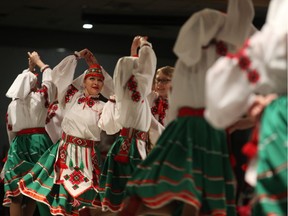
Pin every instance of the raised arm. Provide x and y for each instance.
(48, 88)
(34, 60)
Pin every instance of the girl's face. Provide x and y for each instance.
(93, 85)
(162, 84)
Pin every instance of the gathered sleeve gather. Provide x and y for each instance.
(142, 69)
(107, 121)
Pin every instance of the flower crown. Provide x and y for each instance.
(94, 70)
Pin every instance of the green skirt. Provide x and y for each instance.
(115, 175)
(271, 187)
(190, 163)
(40, 185)
(24, 152)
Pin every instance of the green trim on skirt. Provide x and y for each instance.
(190, 163)
(271, 187)
(24, 152)
(39, 185)
(115, 175)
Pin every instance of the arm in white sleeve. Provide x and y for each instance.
(259, 67)
(51, 87)
(146, 69)
(107, 121)
(62, 76)
(9, 126)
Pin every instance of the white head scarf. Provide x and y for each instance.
(108, 87)
(22, 85)
(209, 24)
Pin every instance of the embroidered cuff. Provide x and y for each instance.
(42, 69)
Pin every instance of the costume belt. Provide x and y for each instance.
(31, 131)
(78, 141)
(189, 111)
(129, 134)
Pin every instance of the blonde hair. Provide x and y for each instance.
(166, 70)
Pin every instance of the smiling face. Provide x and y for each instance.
(163, 81)
(93, 85)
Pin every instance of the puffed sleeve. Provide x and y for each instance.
(146, 69)
(107, 121)
(155, 130)
(48, 83)
(141, 69)
(62, 76)
(260, 67)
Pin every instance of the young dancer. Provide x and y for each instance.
(133, 78)
(190, 163)
(163, 86)
(66, 177)
(26, 130)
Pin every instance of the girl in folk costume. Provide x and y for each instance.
(159, 103)
(247, 82)
(25, 125)
(158, 100)
(66, 177)
(133, 77)
(190, 162)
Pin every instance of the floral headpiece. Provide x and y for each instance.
(94, 70)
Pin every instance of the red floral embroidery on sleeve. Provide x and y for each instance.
(244, 63)
(160, 107)
(70, 93)
(253, 76)
(44, 91)
(9, 126)
(51, 111)
(132, 86)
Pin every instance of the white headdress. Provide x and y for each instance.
(108, 88)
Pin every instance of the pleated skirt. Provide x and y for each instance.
(190, 163)
(271, 186)
(24, 152)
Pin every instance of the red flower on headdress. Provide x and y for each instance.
(94, 70)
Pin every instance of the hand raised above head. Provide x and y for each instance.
(83, 53)
(90, 58)
(34, 57)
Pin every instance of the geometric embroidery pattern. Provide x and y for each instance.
(76, 178)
